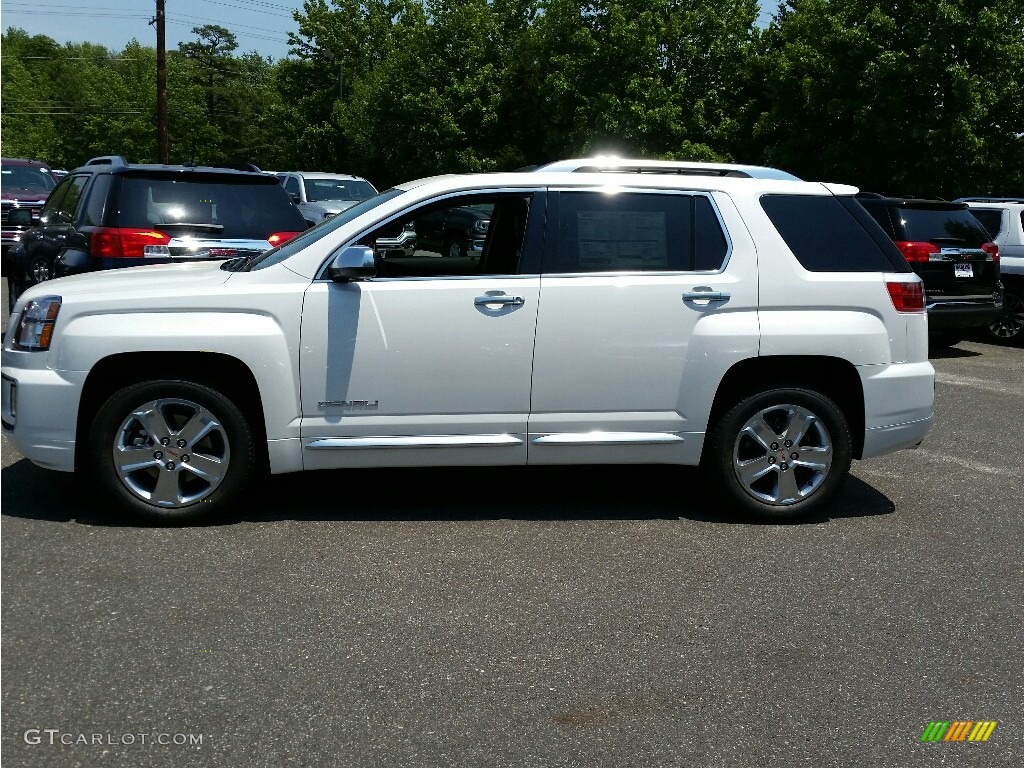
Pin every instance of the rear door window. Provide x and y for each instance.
(637, 232)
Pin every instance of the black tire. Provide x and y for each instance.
(454, 249)
(1008, 328)
(759, 474)
(161, 480)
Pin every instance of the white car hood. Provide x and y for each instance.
(159, 279)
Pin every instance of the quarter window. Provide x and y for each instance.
(991, 219)
(637, 232)
(826, 237)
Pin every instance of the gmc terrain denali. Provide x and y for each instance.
(763, 327)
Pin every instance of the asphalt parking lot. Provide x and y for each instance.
(554, 617)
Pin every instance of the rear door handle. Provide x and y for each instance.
(706, 294)
(512, 301)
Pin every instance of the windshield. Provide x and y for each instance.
(338, 189)
(26, 177)
(296, 244)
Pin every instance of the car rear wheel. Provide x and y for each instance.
(1008, 328)
(782, 454)
(171, 450)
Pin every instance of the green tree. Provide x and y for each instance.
(639, 77)
(903, 97)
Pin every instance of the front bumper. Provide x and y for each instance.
(39, 409)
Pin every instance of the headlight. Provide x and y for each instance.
(481, 225)
(35, 326)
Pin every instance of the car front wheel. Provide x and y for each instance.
(171, 450)
(781, 455)
(40, 269)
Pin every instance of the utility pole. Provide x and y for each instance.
(161, 84)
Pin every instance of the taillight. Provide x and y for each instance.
(992, 250)
(281, 237)
(906, 297)
(915, 251)
(127, 243)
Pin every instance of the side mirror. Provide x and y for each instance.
(294, 196)
(354, 263)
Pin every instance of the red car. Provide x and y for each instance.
(24, 187)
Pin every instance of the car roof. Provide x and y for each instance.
(23, 162)
(323, 175)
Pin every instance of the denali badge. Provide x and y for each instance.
(362, 405)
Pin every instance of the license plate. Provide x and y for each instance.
(963, 270)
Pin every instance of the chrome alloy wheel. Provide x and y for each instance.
(782, 454)
(39, 269)
(171, 452)
(1010, 324)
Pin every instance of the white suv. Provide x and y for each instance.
(1003, 217)
(765, 328)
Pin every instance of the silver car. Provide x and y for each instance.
(322, 195)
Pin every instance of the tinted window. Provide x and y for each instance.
(825, 237)
(69, 202)
(636, 232)
(710, 245)
(991, 219)
(291, 185)
(936, 225)
(220, 206)
(97, 198)
(55, 198)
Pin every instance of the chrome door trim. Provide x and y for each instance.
(414, 441)
(606, 438)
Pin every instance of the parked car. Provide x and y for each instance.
(454, 232)
(765, 329)
(24, 186)
(1003, 217)
(110, 214)
(322, 195)
(954, 255)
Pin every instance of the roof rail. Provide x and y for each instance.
(627, 165)
(117, 160)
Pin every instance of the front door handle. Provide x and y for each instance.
(706, 294)
(512, 301)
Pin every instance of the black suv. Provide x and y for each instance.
(952, 252)
(454, 232)
(110, 214)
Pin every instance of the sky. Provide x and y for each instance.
(259, 25)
